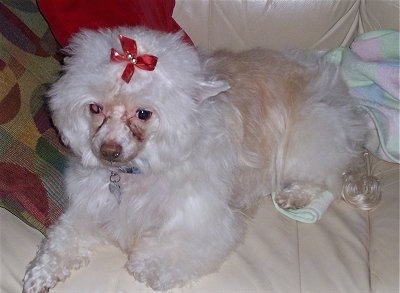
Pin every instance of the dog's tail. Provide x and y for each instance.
(361, 188)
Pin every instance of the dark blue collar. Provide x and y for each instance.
(129, 170)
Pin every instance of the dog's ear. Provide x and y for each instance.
(73, 127)
(208, 89)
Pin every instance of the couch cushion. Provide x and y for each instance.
(336, 254)
(384, 231)
(379, 14)
(67, 17)
(279, 24)
(31, 156)
(277, 255)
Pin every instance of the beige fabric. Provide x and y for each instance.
(278, 254)
(384, 231)
(379, 14)
(280, 24)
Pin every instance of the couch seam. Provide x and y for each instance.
(369, 253)
(298, 257)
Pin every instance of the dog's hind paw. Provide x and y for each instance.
(296, 195)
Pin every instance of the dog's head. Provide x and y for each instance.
(107, 119)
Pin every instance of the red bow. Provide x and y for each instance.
(145, 62)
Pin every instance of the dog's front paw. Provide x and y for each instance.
(38, 280)
(155, 273)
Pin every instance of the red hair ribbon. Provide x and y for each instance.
(145, 62)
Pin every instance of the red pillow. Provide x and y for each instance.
(66, 17)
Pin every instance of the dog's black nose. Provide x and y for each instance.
(110, 151)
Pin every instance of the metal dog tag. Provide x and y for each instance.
(114, 187)
(116, 191)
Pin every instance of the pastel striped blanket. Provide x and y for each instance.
(371, 69)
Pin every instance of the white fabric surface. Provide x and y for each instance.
(278, 255)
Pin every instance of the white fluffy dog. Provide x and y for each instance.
(174, 150)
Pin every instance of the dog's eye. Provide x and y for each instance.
(143, 114)
(95, 108)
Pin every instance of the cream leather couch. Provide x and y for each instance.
(347, 251)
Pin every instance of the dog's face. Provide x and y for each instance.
(120, 129)
(107, 121)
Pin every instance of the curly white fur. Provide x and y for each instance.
(210, 135)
